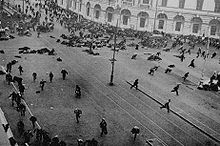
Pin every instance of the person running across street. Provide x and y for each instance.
(135, 84)
(166, 105)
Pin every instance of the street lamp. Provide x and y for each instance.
(114, 50)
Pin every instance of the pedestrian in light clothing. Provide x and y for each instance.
(103, 126)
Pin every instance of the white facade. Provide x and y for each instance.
(196, 17)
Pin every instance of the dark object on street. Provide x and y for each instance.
(152, 70)
(8, 78)
(78, 112)
(37, 91)
(166, 49)
(34, 75)
(64, 73)
(2, 51)
(62, 143)
(78, 91)
(14, 62)
(166, 105)
(20, 126)
(103, 126)
(171, 66)
(185, 76)
(2, 72)
(59, 59)
(17, 56)
(33, 119)
(24, 48)
(192, 64)
(154, 58)
(58, 40)
(135, 131)
(42, 84)
(51, 77)
(18, 80)
(52, 36)
(175, 89)
(92, 142)
(135, 84)
(214, 54)
(12, 141)
(5, 126)
(20, 68)
(134, 56)
(64, 36)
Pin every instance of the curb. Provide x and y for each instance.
(7, 130)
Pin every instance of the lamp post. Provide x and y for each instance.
(114, 50)
(113, 56)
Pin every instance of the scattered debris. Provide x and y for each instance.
(154, 58)
(2, 51)
(59, 59)
(17, 56)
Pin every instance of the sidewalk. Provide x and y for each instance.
(3, 135)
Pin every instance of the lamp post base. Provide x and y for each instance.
(110, 84)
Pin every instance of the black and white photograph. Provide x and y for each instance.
(109, 72)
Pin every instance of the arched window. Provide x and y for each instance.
(109, 14)
(125, 16)
(143, 17)
(214, 27)
(161, 20)
(97, 10)
(196, 24)
(179, 20)
(88, 9)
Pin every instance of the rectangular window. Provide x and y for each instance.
(195, 28)
(142, 22)
(164, 3)
(146, 2)
(217, 6)
(199, 4)
(161, 24)
(125, 20)
(181, 3)
(80, 6)
(97, 14)
(109, 17)
(213, 30)
(75, 5)
(128, 2)
(178, 26)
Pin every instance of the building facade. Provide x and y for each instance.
(196, 17)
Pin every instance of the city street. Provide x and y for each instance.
(194, 119)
